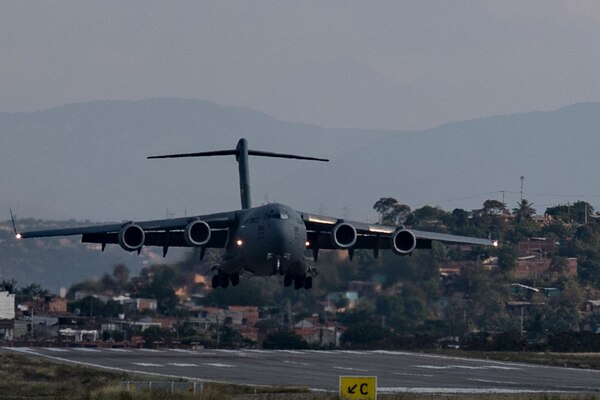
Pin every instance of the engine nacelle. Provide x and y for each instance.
(403, 242)
(196, 233)
(343, 236)
(131, 237)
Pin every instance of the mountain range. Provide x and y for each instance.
(88, 161)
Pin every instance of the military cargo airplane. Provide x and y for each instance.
(266, 240)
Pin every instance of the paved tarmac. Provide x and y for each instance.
(396, 371)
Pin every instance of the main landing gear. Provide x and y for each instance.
(299, 281)
(222, 279)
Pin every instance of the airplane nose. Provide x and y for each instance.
(280, 238)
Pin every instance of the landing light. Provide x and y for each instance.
(239, 242)
(307, 243)
(18, 236)
(495, 243)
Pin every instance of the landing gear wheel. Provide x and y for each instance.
(216, 281)
(235, 279)
(308, 282)
(224, 281)
(298, 282)
(287, 280)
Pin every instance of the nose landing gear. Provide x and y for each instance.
(222, 279)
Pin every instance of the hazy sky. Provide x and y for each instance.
(394, 65)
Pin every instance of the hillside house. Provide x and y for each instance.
(320, 334)
(7, 315)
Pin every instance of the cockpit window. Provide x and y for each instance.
(277, 215)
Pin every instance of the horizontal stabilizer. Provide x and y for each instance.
(235, 152)
(279, 155)
(201, 154)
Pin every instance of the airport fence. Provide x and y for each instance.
(166, 386)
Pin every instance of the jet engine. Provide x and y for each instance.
(403, 242)
(196, 233)
(343, 236)
(131, 237)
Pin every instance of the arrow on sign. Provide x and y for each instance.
(352, 388)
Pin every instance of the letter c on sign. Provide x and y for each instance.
(364, 389)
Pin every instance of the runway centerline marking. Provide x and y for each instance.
(465, 367)
(295, 362)
(492, 381)
(182, 365)
(409, 374)
(143, 364)
(219, 365)
(350, 369)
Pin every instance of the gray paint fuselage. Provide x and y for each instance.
(266, 240)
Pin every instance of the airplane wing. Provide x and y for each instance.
(332, 233)
(207, 231)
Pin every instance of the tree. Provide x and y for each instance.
(494, 207)
(558, 267)
(578, 212)
(157, 282)
(507, 257)
(31, 292)
(390, 211)
(429, 213)
(284, 340)
(562, 314)
(524, 211)
(120, 274)
(8, 285)
(248, 293)
(365, 334)
(156, 334)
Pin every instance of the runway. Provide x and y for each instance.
(396, 371)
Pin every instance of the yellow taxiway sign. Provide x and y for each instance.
(358, 387)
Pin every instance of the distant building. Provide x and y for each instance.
(145, 304)
(533, 260)
(364, 288)
(7, 315)
(240, 318)
(341, 301)
(591, 306)
(536, 246)
(7, 305)
(320, 334)
(78, 335)
(56, 305)
(82, 294)
(535, 266)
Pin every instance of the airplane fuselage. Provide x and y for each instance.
(267, 240)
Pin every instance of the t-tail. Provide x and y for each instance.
(241, 153)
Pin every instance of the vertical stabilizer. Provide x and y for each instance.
(242, 159)
(241, 153)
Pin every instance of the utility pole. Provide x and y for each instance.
(31, 315)
(522, 313)
(218, 332)
(522, 180)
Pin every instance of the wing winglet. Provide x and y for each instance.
(14, 224)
